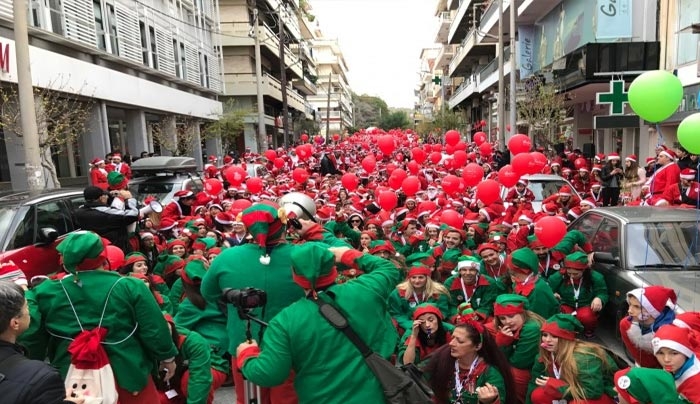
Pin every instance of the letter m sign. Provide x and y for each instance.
(5, 57)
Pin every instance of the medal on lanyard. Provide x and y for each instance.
(464, 289)
(417, 301)
(557, 374)
(577, 293)
(459, 384)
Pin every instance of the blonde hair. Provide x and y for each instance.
(527, 315)
(431, 288)
(570, 368)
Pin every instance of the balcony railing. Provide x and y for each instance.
(462, 50)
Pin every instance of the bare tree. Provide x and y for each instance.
(62, 117)
(541, 106)
(176, 134)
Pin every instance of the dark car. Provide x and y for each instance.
(641, 246)
(33, 223)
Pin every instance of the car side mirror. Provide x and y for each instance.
(47, 235)
(605, 258)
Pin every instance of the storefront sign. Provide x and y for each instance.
(613, 19)
(526, 50)
(616, 97)
(4, 57)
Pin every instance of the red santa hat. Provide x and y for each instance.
(600, 156)
(224, 218)
(654, 298)
(688, 174)
(596, 184)
(527, 216)
(668, 153)
(650, 160)
(97, 161)
(589, 201)
(613, 156)
(550, 208)
(488, 213)
(117, 156)
(565, 190)
(212, 159)
(677, 338)
(632, 158)
(184, 194)
(597, 167)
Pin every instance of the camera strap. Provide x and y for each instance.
(340, 322)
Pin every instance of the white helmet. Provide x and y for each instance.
(298, 206)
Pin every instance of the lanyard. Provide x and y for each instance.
(577, 291)
(459, 384)
(555, 369)
(493, 273)
(545, 270)
(422, 297)
(464, 288)
(527, 279)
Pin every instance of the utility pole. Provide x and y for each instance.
(262, 133)
(512, 116)
(25, 90)
(328, 107)
(283, 80)
(501, 82)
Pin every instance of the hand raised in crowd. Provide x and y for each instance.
(245, 345)
(541, 381)
(416, 327)
(506, 330)
(487, 393)
(338, 252)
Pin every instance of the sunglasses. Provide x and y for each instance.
(355, 221)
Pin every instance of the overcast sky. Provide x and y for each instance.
(381, 41)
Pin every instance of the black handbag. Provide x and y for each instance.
(404, 385)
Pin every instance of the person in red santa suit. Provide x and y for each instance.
(98, 173)
(180, 207)
(675, 348)
(564, 199)
(689, 188)
(667, 174)
(582, 181)
(520, 193)
(119, 166)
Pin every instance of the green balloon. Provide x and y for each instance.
(655, 95)
(689, 133)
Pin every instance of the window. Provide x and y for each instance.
(99, 25)
(204, 70)
(113, 40)
(144, 43)
(56, 16)
(154, 54)
(689, 13)
(183, 65)
(53, 214)
(176, 59)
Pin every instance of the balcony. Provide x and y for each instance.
(461, 22)
(480, 81)
(444, 57)
(244, 84)
(445, 20)
(468, 53)
(236, 34)
(454, 4)
(489, 20)
(305, 86)
(270, 40)
(464, 91)
(531, 11)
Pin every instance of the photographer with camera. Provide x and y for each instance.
(327, 367)
(107, 220)
(263, 263)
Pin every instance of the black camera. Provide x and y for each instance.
(246, 298)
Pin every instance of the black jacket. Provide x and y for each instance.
(107, 221)
(28, 381)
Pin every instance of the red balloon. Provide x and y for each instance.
(386, 144)
(485, 149)
(488, 191)
(254, 185)
(452, 137)
(270, 155)
(580, 163)
(461, 146)
(418, 155)
(336, 137)
(241, 204)
(279, 162)
(369, 163)
(550, 230)
(472, 174)
(387, 200)
(427, 147)
(410, 185)
(479, 138)
(235, 175)
(395, 182)
(460, 158)
(451, 184)
(540, 161)
(449, 149)
(452, 218)
(437, 147)
(390, 168)
(483, 122)
(304, 137)
(413, 167)
(213, 186)
(519, 144)
(319, 140)
(300, 175)
(435, 157)
(521, 163)
(350, 181)
(507, 176)
(302, 152)
(400, 173)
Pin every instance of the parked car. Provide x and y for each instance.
(162, 176)
(33, 224)
(543, 186)
(641, 246)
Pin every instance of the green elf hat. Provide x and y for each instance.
(646, 386)
(576, 260)
(116, 180)
(563, 326)
(266, 222)
(420, 258)
(82, 251)
(534, 242)
(313, 266)
(426, 308)
(509, 304)
(168, 263)
(209, 242)
(523, 260)
(133, 257)
(194, 272)
(381, 245)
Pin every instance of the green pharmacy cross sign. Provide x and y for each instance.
(616, 98)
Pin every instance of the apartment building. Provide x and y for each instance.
(241, 22)
(428, 92)
(333, 100)
(573, 44)
(141, 63)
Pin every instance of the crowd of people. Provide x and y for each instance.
(426, 273)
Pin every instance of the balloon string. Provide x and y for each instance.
(660, 140)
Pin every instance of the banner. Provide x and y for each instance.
(613, 19)
(526, 50)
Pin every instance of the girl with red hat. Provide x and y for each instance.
(568, 370)
(427, 334)
(98, 174)
(418, 288)
(675, 348)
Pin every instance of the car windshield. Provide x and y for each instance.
(543, 190)
(157, 189)
(6, 215)
(660, 245)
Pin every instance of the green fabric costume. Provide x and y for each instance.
(328, 367)
(401, 309)
(522, 351)
(481, 299)
(130, 303)
(175, 295)
(195, 350)
(489, 375)
(565, 290)
(210, 324)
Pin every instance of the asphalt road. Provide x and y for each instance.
(225, 395)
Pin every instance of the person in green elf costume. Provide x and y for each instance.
(518, 336)
(429, 332)
(470, 286)
(569, 369)
(646, 386)
(204, 317)
(328, 368)
(581, 291)
(448, 252)
(137, 333)
(418, 288)
(263, 264)
(522, 265)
